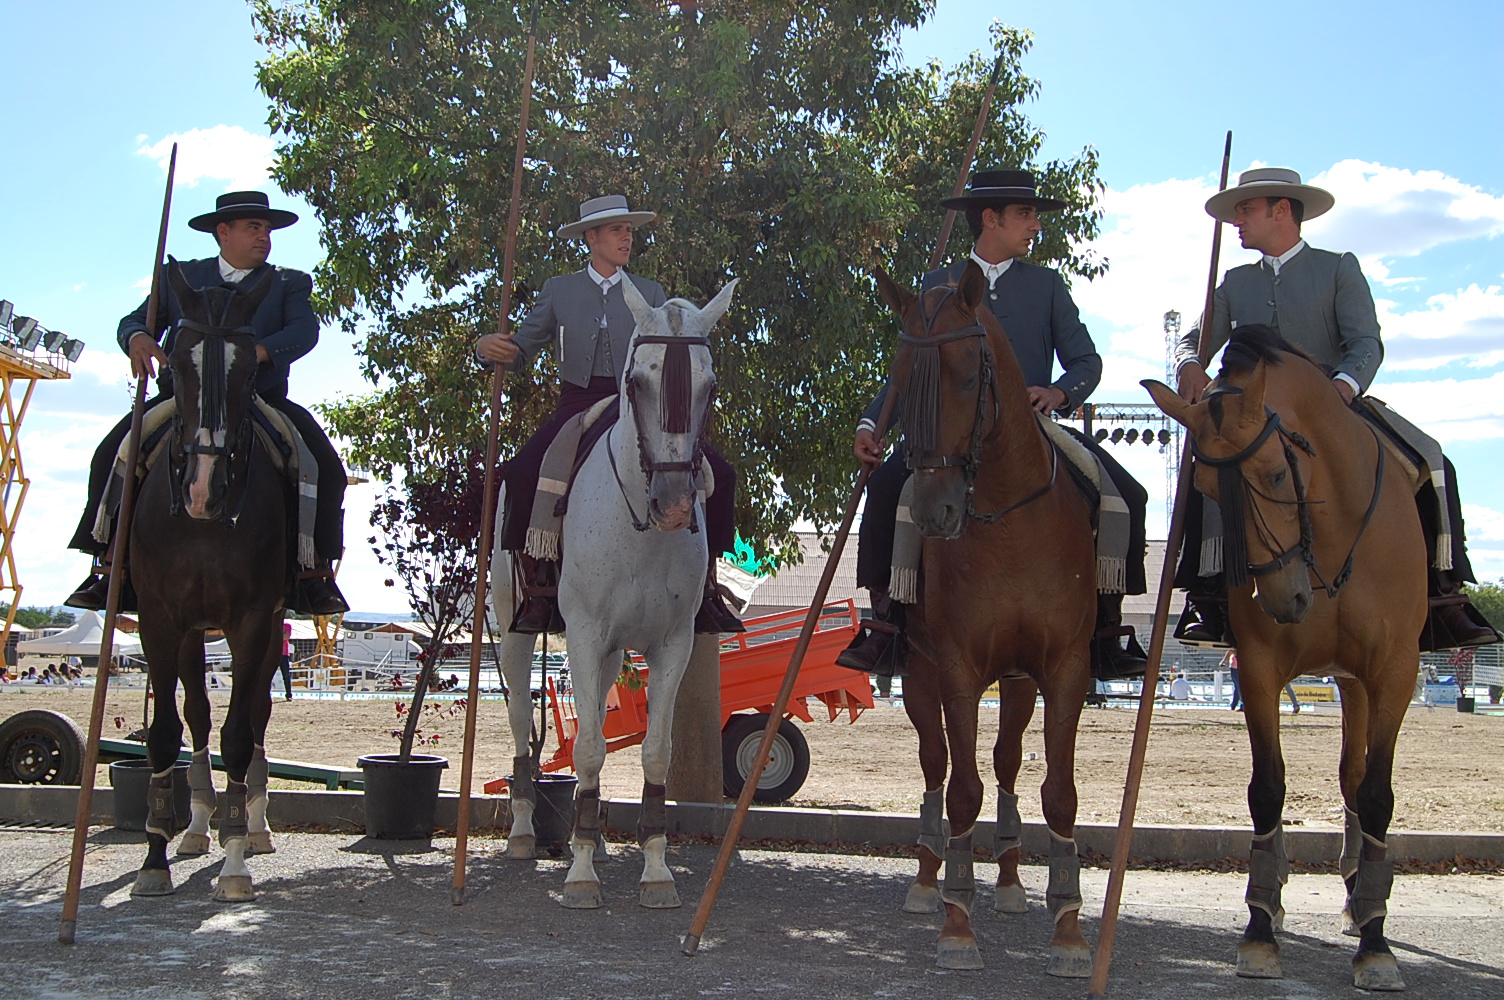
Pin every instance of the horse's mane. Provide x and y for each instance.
(1253, 343)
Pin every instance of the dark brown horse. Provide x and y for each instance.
(1008, 595)
(209, 549)
(1307, 494)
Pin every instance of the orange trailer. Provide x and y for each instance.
(753, 664)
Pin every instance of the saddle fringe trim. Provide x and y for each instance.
(1443, 560)
(542, 544)
(1211, 556)
(903, 585)
(1112, 575)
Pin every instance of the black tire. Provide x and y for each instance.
(788, 765)
(41, 748)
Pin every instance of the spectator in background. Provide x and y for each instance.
(1230, 664)
(1180, 688)
(287, 658)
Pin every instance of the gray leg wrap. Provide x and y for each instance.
(1064, 893)
(522, 787)
(1010, 826)
(960, 886)
(1268, 871)
(587, 814)
(201, 779)
(1352, 844)
(1375, 879)
(233, 823)
(653, 819)
(160, 817)
(257, 773)
(933, 832)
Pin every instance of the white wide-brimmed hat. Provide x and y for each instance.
(599, 211)
(1269, 182)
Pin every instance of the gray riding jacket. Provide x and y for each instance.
(568, 315)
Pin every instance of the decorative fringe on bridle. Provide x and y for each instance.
(212, 386)
(678, 389)
(921, 399)
(1232, 499)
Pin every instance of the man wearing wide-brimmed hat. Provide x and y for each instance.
(286, 329)
(1043, 325)
(1320, 302)
(585, 318)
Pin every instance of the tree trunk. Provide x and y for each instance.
(694, 773)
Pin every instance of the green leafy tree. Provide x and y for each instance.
(1489, 599)
(780, 142)
(39, 617)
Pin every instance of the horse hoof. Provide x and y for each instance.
(1377, 971)
(923, 899)
(259, 843)
(522, 847)
(1069, 962)
(1349, 929)
(1259, 960)
(153, 882)
(582, 896)
(1010, 899)
(234, 889)
(958, 953)
(193, 845)
(658, 896)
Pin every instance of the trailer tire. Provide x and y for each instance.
(788, 765)
(39, 747)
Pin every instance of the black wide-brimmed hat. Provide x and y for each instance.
(242, 205)
(1003, 185)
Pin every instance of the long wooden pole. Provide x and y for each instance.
(488, 496)
(1109, 928)
(691, 943)
(69, 926)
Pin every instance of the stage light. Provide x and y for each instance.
(1101, 434)
(54, 341)
(1164, 435)
(72, 349)
(28, 332)
(7, 310)
(1132, 435)
(1117, 435)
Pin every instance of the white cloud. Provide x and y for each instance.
(227, 153)
(1466, 325)
(1484, 524)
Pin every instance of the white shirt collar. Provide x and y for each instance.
(1275, 263)
(992, 271)
(604, 282)
(228, 273)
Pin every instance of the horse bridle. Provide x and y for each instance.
(1234, 489)
(921, 407)
(644, 460)
(213, 362)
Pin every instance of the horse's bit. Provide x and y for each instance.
(1234, 489)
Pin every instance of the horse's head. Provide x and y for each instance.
(667, 387)
(1246, 462)
(945, 375)
(213, 363)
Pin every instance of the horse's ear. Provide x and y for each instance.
(177, 281)
(1252, 401)
(716, 307)
(1169, 401)
(973, 286)
(900, 300)
(641, 311)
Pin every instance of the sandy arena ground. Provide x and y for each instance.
(1447, 776)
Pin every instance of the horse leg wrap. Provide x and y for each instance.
(257, 773)
(233, 823)
(201, 779)
(1268, 870)
(587, 815)
(160, 817)
(1064, 893)
(522, 787)
(652, 821)
(932, 827)
(1352, 844)
(960, 887)
(1010, 826)
(1375, 880)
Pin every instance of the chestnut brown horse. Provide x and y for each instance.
(1307, 493)
(1007, 595)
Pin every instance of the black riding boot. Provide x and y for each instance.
(540, 587)
(1453, 622)
(880, 646)
(92, 593)
(1109, 660)
(1204, 620)
(316, 593)
(714, 617)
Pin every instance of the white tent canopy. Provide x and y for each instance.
(82, 639)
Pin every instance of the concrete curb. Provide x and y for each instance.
(48, 805)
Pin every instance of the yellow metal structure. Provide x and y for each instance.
(19, 375)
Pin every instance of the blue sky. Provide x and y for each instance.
(1394, 108)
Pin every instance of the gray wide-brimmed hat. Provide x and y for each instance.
(242, 205)
(599, 211)
(1003, 185)
(1269, 182)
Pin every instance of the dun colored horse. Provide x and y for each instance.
(1306, 492)
(1008, 595)
(223, 565)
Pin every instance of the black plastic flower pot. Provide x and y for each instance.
(401, 799)
(131, 780)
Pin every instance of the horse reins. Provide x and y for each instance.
(1234, 489)
(921, 408)
(670, 418)
(214, 395)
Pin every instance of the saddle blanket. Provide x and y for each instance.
(556, 476)
(1110, 522)
(289, 453)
